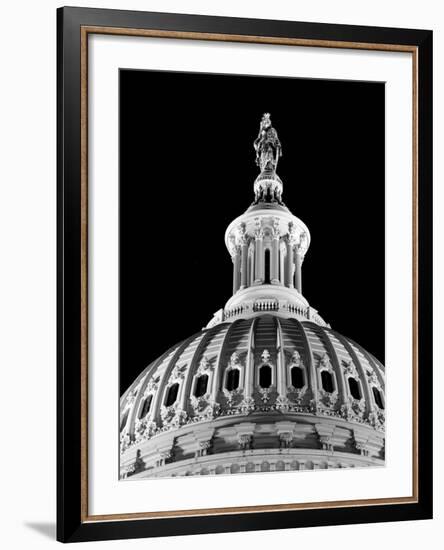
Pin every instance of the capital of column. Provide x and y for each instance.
(258, 229)
(276, 230)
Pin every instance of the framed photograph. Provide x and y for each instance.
(244, 274)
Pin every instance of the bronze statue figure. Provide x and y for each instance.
(267, 145)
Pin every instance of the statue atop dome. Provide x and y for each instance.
(267, 146)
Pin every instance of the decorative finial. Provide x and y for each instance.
(267, 146)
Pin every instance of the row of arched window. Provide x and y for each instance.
(265, 378)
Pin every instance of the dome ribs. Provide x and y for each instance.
(360, 369)
(373, 362)
(207, 337)
(292, 337)
(147, 375)
(265, 336)
(249, 362)
(281, 366)
(308, 357)
(166, 374)
(331, 352)
(306, 428)
(222, 358)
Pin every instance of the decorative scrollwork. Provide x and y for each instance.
(282, 403)
(245, 441)
(350, 369)
(247, 405)
(204, 366)
(329, 399)
(265, 394)
(285, 440)
(325, 364)
(177, 374)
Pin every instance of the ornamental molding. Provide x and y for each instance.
(125, 441)
(144, 429)
(131, 397)
(275, 225)
(296, 360)
(297, 394)
(265, 394)
(247, 405)
(285, 440)
(231, 395)
(152, 387)
(373, 379)
(292, 236)
(167, 413)
(203, 448)
(179, 419)
(258, 229)
(329, 399)
(283, 403)
(234, 361)
(350, 369)
(210, 412)
(245, 441)
(177, 374)
(242, 237)
(265, 356)
(205, 367)
(232, 246)
(325, 363)
(199, 403)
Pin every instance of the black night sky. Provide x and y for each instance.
(187, 170)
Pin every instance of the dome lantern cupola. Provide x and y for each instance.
(267, 245)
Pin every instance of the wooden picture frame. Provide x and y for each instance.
(74, 520)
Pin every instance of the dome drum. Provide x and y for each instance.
(304, 436)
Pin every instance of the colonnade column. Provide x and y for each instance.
(298, 271)
(289, 264)
(244, 267)
(236, 269)
(259, 256)
(275, 259)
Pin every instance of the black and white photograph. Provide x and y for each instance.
(251, 274)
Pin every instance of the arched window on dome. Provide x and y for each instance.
(354, 387)
(171, 395)
(378, 397)
(327, 381)
(265, 376)
(267, 279)
(124, 420)
(297, 377)
(232, 381)
(146, 405)
(201, 385)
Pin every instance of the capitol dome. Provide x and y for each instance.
(268, 385)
